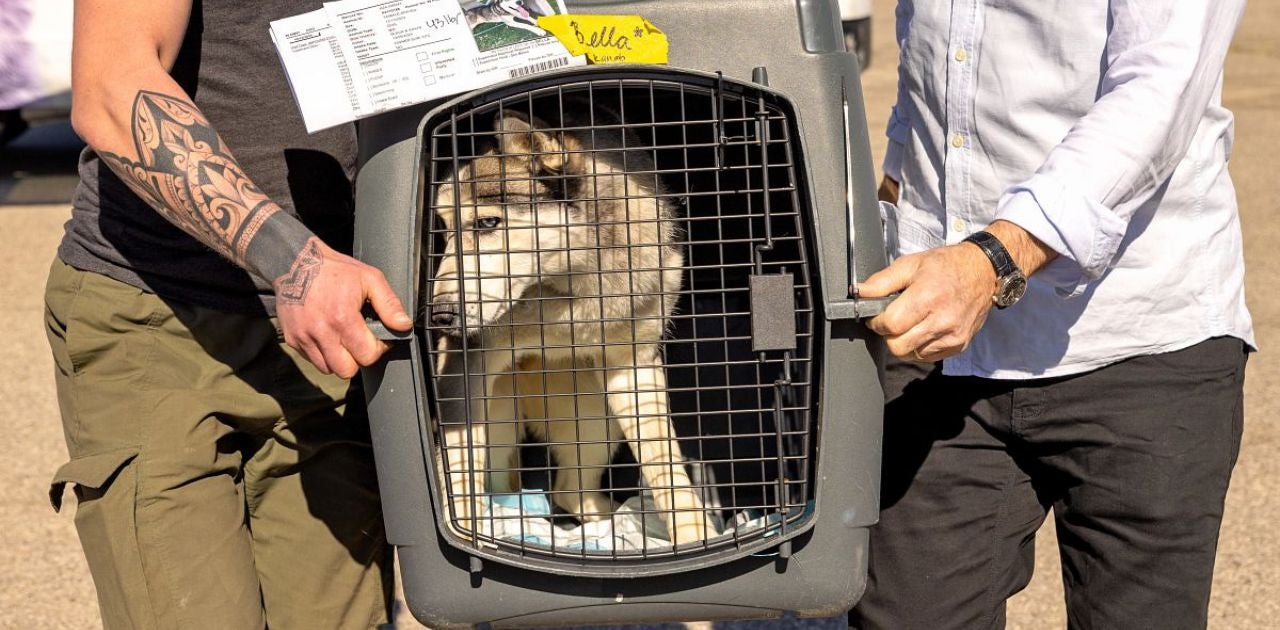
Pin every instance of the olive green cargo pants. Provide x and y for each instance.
(223, 482)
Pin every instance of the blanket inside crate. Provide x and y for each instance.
(637, 525)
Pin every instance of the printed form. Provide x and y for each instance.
(357, 58)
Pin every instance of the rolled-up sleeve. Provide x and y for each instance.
(1164, 62)
(897, 133)
(899, 128)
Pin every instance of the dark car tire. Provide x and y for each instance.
(857, 40)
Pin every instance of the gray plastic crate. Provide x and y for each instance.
(768, 86)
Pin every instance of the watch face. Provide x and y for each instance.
(1011, 290)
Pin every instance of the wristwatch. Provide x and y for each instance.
(1010, 283)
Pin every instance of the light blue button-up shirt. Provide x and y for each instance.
(1098, 126)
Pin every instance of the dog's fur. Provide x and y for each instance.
(585, 255)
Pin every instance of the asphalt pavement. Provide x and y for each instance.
(44, 583)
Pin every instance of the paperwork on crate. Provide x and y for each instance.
(357, 58)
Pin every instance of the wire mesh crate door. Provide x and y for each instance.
(593, 269)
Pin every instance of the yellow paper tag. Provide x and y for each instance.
(608, 38)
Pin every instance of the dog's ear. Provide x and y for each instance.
(554, 151)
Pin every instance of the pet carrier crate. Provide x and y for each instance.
(638, 389)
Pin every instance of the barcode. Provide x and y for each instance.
(550, 64)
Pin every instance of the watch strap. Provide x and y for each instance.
(995, 252)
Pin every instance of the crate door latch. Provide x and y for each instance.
(773, 312)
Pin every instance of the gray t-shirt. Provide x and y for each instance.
(229, 66)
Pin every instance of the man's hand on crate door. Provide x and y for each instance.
(946, 293)
(319, 302)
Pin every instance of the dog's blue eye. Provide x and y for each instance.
(488, 223)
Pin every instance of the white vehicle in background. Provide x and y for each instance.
(35, 63)
(855, 18)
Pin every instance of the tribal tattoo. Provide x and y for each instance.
(189, 176)
(292, 287)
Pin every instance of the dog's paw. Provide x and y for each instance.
(587, 506)
(465, 520)
(691, 527)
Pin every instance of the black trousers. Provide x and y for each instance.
(1133, 459)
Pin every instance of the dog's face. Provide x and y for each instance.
(515, 7)
(510, 223)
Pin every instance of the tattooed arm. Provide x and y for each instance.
(147, 130)
(180, 166)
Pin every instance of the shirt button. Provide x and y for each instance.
(961, 54)
(957, 141)
(957, 224)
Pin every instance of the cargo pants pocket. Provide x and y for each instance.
(105, 517)
(93, 472)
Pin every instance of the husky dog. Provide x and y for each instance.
(561, 261)
(514, 13)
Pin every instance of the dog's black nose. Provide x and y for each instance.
(443, 319)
